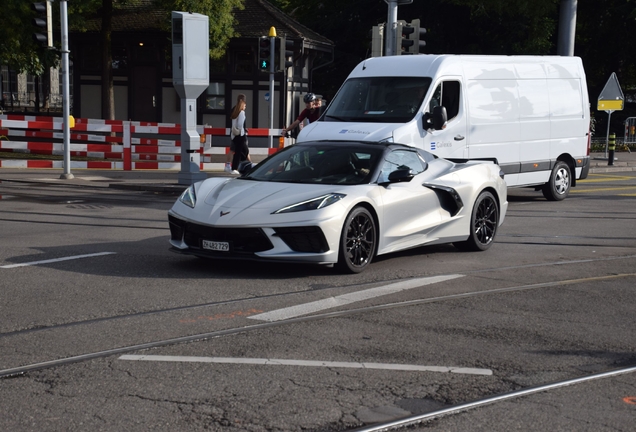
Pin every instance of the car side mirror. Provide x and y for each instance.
(401, 175)
(435, 120)
(245, 167)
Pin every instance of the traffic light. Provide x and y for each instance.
(264, 54)
(416, 36)
(285, 49)
(408, 37)
(402, 42)
(42, 22)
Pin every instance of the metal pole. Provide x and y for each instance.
(567, 28)
(66, 109)
(272, 70)
(609, 117)
(391, 26)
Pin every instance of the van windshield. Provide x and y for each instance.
(378, 99)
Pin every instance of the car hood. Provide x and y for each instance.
(244, 194)
(323, 130)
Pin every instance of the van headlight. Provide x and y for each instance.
(312, 204)
(389, 139)
(189, 197)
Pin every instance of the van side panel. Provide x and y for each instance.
(534, 125)
(493, 111)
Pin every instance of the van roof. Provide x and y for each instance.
(472, 66)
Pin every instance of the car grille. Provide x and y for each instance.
(303, 239)
(242, 240)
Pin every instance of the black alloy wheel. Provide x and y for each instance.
(358, 241)
(484, 221)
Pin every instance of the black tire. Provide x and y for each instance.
(484, 221)
(558, 187)
(358, 241)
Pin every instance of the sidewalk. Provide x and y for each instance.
(165, 181)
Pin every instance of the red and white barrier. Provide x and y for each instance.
(116, 142)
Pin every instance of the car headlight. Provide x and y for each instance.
(312, 204)
(189, 197)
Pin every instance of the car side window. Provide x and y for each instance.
(400, 159)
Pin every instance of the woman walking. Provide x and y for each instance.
(239, 146)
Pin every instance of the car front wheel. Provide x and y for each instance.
(484, 221)
(358, 241)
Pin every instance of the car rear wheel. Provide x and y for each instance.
(558, 187)
(484, 221)
(358, 241)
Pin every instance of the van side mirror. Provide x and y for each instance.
(436, 120)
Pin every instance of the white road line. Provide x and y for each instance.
(280, 362)
(56, 260)
(332, 302)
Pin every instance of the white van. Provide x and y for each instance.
(529, 114)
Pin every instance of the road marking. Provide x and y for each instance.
(56, 260)
(630, 400)
(332, 302)
(283, 362)
(598, 178)
(601, 189)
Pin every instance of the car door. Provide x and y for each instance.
(409, 210)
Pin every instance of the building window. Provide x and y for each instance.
(91, 59)
(215, 96)
(120, 58)
(243, 62)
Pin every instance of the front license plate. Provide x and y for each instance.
(216, 246)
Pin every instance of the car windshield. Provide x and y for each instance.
(319, 164)
(378, 99)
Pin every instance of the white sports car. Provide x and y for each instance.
(340, 203)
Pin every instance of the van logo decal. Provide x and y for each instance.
(433, 147)
(352, 131)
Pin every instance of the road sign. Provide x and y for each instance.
(611, 98)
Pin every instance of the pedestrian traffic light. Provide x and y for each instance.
(42, 22)
(415, 34)
(264, 53)
(285, 49)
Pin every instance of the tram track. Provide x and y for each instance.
(423, 418)
(316, 317)
(314, 289)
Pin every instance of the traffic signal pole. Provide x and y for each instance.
(66, 109)
(272, 70)
(391, 28)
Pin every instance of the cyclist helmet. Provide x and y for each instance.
(309, 97)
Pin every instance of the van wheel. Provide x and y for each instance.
(357, 241)
(558, 187)
(484, 221)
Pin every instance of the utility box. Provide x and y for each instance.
(190, 77)
(190, 54)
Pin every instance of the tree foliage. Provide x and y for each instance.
(18, 50)
(220, 16)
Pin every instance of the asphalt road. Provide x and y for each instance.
(161, 341)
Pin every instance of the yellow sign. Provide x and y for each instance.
(610, 105)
